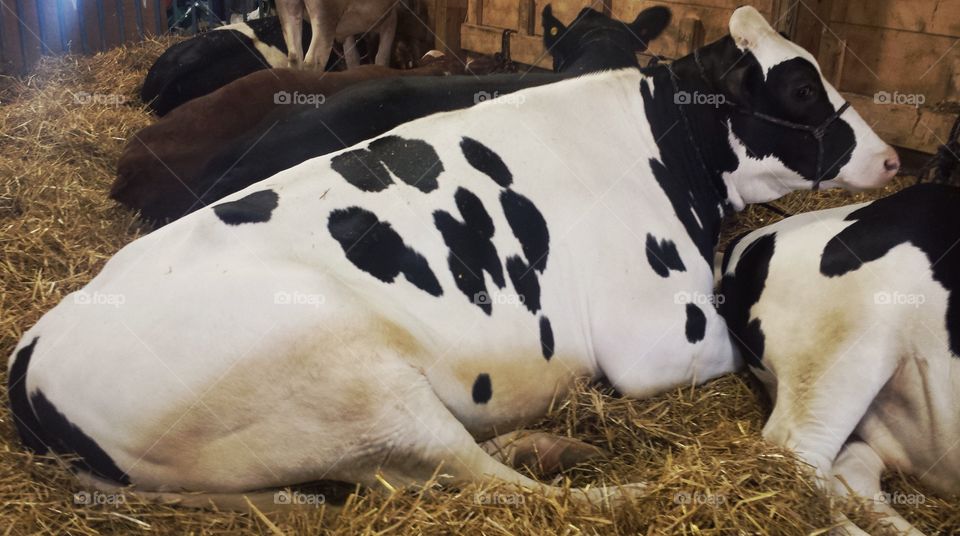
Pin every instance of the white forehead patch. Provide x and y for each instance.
(751, 32)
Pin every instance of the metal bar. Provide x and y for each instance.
(103, 38)
(138, 10)
(22, 28)
(62, 24)
(41, 31)
(122, 28)
(82, 21)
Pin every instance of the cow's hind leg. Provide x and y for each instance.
(860, 469)
(387, 31)
(323, 24)
(290, 13)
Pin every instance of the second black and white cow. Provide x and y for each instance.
(369, 315)
(851, 318)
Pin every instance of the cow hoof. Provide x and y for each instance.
(542, 452)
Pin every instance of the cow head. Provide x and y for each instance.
(595, 42)
(774, 98)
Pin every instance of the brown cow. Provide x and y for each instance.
(161, 161)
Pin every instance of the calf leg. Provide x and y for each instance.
(860, 468)
(543, 452)
(387, 31)
(323, 24)
(290, 13)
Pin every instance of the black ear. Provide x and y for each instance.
(649, 24)
(742, 84)
(553, 29)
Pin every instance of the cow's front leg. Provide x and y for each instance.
(858, 470)
(350, 53)
(543, 452)
(290, 13)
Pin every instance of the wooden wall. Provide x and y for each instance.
(31, 28)
(864, 47)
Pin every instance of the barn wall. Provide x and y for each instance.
(31, 28)
(865, 47)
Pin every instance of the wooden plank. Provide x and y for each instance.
(49, 23)
(894, 60)
(500, 14)
(523, 48)
(939, 17)
(112, 31)
(811, 24)
(29, 31)
(920, 129)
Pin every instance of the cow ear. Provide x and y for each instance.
(748, 27)
(553, 29)
(742, 84)
(649, 24)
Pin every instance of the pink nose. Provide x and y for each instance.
(892, 164)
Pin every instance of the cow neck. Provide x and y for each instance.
(694, 149)
(598, 52)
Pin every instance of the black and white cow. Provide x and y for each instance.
(851, 318)
(370, 315)
(208, 61)
(293, 134)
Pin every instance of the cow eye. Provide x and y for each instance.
(804, 92)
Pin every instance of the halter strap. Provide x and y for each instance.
(818, 132)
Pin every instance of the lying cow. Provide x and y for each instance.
(848, 317)
(209, 148)
(161, 161)
(336, 20)
(369, 315)
(197, 66)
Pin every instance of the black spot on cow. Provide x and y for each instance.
(65, 438)
(925, 216)
(485, 160)
(471, 250)
(374, 247)
(741, 290)
(23, 417)
(546, 338)
(254, 208)
(663, 256)
(696, 323)
(525, 282)
(528, 226)
(482, 389)
(415, 162)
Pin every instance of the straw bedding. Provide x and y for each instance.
(61, 132)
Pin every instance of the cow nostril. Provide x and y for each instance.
(891, 164)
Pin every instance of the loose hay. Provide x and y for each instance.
(61, 132)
